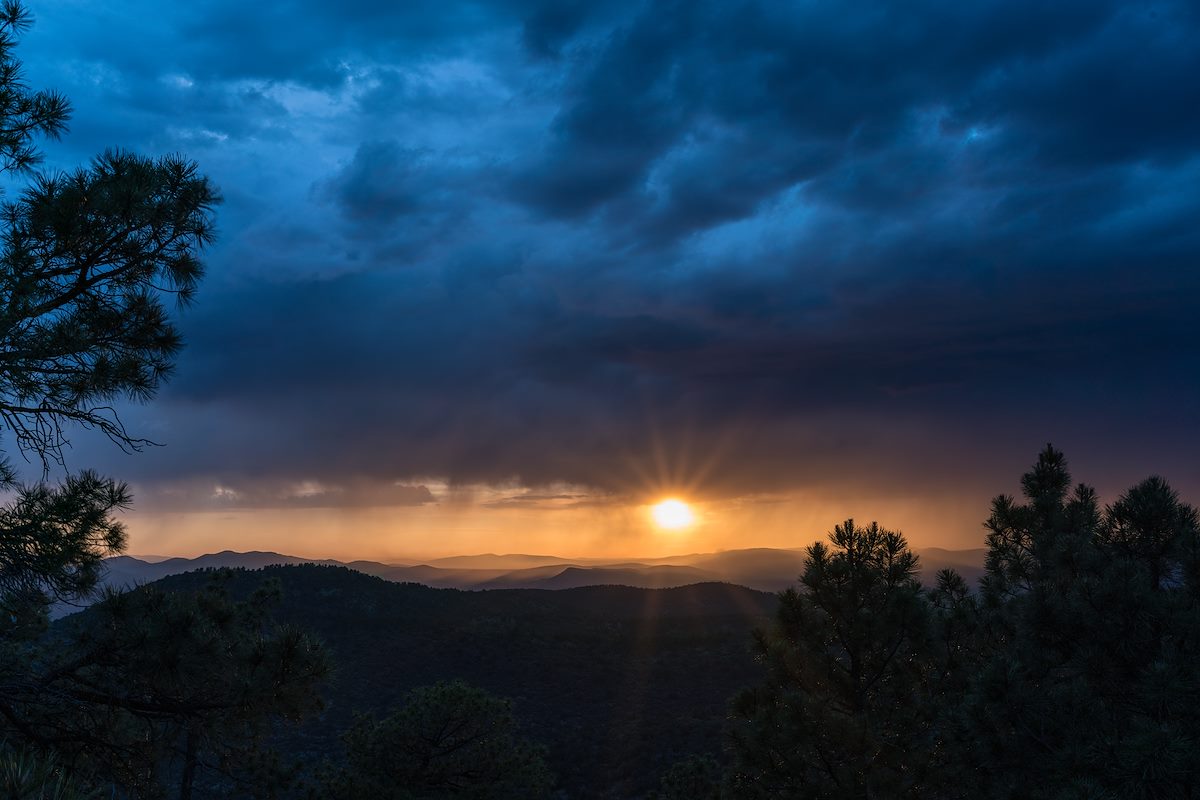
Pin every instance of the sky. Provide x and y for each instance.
(495, 276)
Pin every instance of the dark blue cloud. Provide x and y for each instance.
(555, 241)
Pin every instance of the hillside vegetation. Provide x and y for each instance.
(618, 682)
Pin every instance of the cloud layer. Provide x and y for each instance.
(630, 245)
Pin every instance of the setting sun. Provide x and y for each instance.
(673, 514)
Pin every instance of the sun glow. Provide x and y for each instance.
(672, 514)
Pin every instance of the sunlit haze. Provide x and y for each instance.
(500, 277)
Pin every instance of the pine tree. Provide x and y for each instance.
(156, 688)
(846, 709)
(150, 689)
(88, 260)
(1088, 684)
(447, 740)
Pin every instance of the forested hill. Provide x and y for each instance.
(617, 682)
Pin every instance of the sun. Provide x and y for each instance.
(672, 514)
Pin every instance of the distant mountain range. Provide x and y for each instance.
(765, 569)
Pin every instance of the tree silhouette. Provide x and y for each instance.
(28, 775)
(155, 688)
(693, 778)
(1071, 673)
(449, 740)
(148, 688)
(1087, 684)
(87, 261)
(846, 704)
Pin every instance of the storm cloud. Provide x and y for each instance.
(745, 246)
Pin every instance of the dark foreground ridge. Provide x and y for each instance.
(618, 682)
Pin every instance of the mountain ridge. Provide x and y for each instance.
(761, 568)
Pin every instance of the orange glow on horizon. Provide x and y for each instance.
(577, 527)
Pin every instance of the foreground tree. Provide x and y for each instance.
(693, 778)
(845, 709)
(1071, 673)
(87, 261)
(148, 689)
(27, 775)
(449, 740)
(157, 687)
(1088, 684)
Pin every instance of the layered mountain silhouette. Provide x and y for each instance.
(765, 569)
